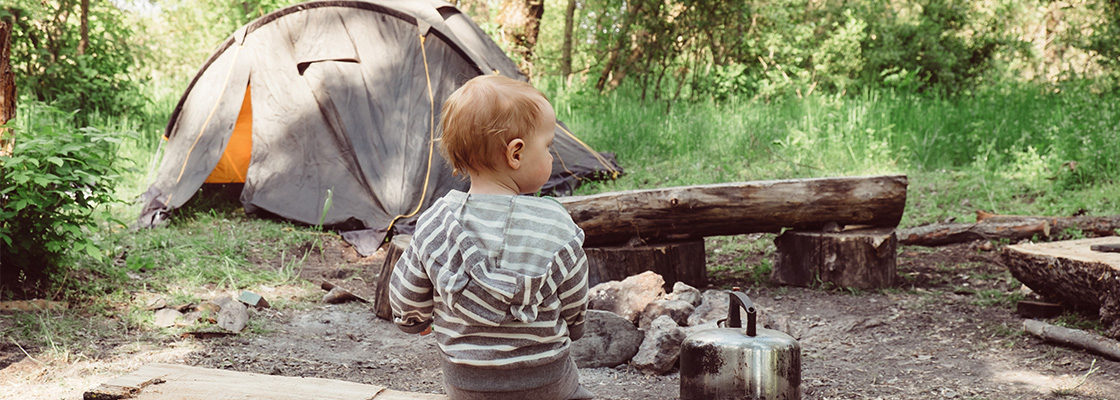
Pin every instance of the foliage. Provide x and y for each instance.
(770, 49)
(51, 64)
(178, 35)
(55, 185)
(1105, 39)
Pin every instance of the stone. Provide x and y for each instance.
(628, 297)
(688, 294)
(233, 316)
(608, 340)
(166, 317)
(661, 348)
(678, 310)
(713, 306)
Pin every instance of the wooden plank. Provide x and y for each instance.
(692, 212)
(1071, 273)
(159, 381)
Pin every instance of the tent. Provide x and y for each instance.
(328, 112)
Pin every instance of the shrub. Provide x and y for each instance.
(54, 185)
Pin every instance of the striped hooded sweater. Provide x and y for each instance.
(502, 279)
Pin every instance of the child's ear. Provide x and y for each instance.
(513, 152)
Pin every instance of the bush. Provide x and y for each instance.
(53, 188)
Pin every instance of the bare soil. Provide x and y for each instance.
(948, 331)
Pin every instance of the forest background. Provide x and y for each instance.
(1008, 106)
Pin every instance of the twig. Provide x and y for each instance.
(25, 352)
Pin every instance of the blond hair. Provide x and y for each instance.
(483, 115)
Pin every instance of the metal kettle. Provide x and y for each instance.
(736, 362)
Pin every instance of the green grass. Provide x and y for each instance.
(1005, 151)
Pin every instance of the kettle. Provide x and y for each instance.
(734, 362)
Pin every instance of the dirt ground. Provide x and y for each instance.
(937, 336)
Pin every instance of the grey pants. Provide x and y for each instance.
(565, 388)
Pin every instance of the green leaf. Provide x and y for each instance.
(93, 251)
(55, 160)
(18, 205)
(42, 181)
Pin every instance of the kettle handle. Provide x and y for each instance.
(740, 300)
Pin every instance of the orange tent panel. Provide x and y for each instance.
(235, 161)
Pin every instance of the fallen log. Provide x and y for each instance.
(1012, 227)
(1068, 272)
(1074, 338)
(942, 234)
(691, 212)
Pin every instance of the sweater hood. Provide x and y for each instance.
(496, 268)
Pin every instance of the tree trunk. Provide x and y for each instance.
(689, 212)
(675, 262)
(521, 21)
(861, 259)
(83, 41)
(1070, 273)
(7, 86)
(566, 52)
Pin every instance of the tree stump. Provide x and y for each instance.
(860, 259)
(393, 251)
(1071, 273)
(674, 261)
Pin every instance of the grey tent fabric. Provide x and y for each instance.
(345, 100)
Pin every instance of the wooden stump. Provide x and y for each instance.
(675, 262)
(1071, 273)
(393, 251)
(861, 259)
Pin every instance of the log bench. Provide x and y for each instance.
(1072, 273)
(651, 230)
(158, 381)
(662, 230)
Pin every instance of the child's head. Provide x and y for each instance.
(485, 115)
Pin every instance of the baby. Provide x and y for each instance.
(500, 278)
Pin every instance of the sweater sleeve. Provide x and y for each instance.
(410, 292)
(573, 291)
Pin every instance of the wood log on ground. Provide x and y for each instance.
(1013, 227)
(675, 262)
(691, 212)
(1068, 272)
(159, 381)
(393, 252)
(1075, 338)
(861, 259)
(942, 234)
